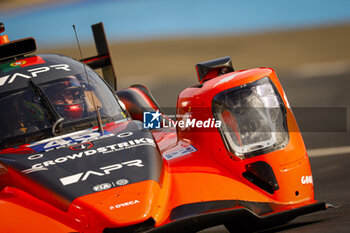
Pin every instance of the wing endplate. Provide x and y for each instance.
(102, 59)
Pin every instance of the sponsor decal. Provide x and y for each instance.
(103, 171)
(179, 153)
(124, 135)
(105, 186)
(306, 180)
(80, 138)
(101, 187)
(129, 203)
(37, 156)
(98, 151)
(122, 182)
(83, 146)
(32, 73)
(151, 120)
(18, 63)
(63, 141)
(35, 60)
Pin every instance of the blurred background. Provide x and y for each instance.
(158, 42)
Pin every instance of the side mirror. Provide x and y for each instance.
(213, 68)
(17, 48)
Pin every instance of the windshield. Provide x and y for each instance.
(26, 119)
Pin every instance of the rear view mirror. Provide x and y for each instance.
(17, 48)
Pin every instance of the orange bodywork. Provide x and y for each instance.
(4, 39)
(209, 174)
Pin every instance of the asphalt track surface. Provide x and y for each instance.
(330, 151)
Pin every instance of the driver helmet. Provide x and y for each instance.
(67, 96)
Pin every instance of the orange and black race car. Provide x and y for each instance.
(77, 155)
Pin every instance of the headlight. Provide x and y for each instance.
(253, 118)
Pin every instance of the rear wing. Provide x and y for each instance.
(102, 59)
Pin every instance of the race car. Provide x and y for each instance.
(78, 155)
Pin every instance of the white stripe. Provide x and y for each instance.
(71, 179)
(328, 151)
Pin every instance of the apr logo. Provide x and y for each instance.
(103, 171)
(151, 120)
(32, 73)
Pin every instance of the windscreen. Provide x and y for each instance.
(73, 97)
